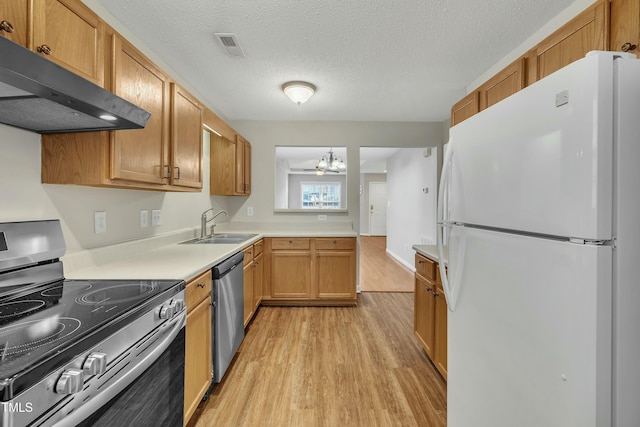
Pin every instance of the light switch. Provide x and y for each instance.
(144, 219)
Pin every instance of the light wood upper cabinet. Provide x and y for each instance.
(186, 139)
(14, 23)
(140, 155)
(223, 166)
(625, 26)
(586, 32)
(243, 166)
(465, 108)
(507, 82)
(166, 155)
(68, 33)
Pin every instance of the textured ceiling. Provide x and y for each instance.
(371, 60)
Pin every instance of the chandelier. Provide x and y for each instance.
(330, 162)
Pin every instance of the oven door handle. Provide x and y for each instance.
(112, 389)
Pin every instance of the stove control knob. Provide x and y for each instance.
(70, 382)
(177, 305)
(166, 311)
(95, 364)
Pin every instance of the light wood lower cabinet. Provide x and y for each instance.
(197, 368)
(253, 268)
(430, 312)
(310, 271)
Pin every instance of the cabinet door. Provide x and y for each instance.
(336, 274)
(440, 353)
(223, 166)
(240, 146)
(424, 312)
(13, 20)
(290, 274)
(247, 167)
(71, 35)
(248, 292)
(465, 108)
(186, 139)
(625, 26)
(258, 278)
(197, 367)
(507, 82)
(587, 31)
(142, 154)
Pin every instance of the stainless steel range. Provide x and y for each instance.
(84, 352)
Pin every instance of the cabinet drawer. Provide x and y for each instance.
(336, 243)
(289, 243)
(425, 267)
(248, 255)
(257, 248)
(198, 289)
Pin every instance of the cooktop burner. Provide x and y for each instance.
(45, 326)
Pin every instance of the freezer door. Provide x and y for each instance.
(530, 340)
(541, 160)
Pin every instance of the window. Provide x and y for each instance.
(325, 195)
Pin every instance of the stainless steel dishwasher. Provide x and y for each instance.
(228, 312)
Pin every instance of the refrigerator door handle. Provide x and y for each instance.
(442, 223)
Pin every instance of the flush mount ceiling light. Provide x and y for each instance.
(330, 163)
(298, 92)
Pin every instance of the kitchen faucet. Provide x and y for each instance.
(204, 221)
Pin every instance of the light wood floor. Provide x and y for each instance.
(378, 271)
(330, 366)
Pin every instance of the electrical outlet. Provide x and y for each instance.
(99, 222)
(250, 211)
(322, 217)
(144, 219)
(155, 217)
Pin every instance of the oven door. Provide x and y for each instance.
(144, 386)
(156, 397)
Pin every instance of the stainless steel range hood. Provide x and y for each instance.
(40, 96)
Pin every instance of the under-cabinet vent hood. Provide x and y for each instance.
(40, 96)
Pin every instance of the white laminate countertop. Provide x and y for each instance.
(172, 260)
(430, 251)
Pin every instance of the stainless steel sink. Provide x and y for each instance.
(232, 238)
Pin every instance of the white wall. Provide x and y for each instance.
(411, 213)
(265, 135)
(23, 197)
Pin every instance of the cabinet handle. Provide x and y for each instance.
(290, 241)
(250, 253)
(44, 49)
(201, 285)
(6, 26)
(178, 174)
(420, 261)
(628, 47)
(435, 294)
(168, 175)
(429, 289)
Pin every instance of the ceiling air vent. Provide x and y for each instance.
(230, 44)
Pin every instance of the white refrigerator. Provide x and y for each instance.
(539, 212)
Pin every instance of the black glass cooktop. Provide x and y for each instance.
(44, 326)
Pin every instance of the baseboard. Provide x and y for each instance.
(400, 260)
